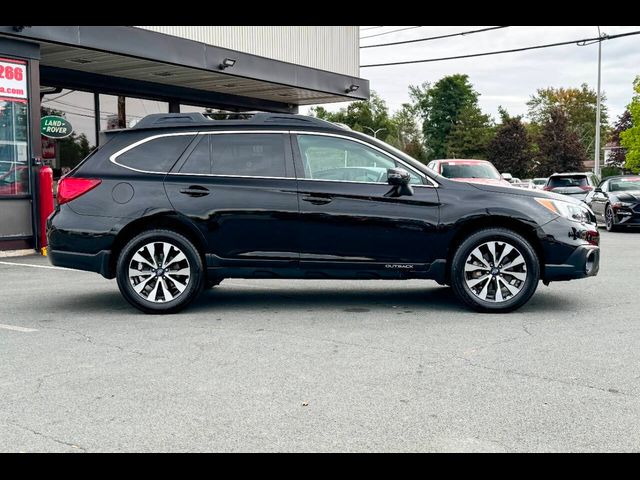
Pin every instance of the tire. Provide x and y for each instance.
(158, 288)
(609, 220)
(475, 282)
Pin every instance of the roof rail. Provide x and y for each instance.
(168, 120)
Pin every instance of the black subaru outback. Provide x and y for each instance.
(180, 202)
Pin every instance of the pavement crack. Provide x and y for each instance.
(545, 378)
(48, 437)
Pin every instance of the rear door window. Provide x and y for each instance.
(199, 160)
(248, 155)
(156, 155)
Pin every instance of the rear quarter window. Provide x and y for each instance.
(156, 155)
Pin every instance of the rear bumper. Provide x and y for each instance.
(583, 262)
(98, 262)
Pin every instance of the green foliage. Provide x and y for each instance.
(510, 149)
(610, 171)
(470, 135)
(560, 148)
(408, 135)
(618, 155)
(630, 138)
(441, 106)
(367, 116)
(579, 105)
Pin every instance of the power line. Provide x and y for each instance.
(59, 96)
(434, 38)
(483, 54)
(390, 31)
(370, 28)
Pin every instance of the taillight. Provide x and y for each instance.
(547, 188)
(72, 187)
(586, 187)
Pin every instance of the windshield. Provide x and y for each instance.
(623, 184)
(469, 170)
(568, 181)
(539, 181)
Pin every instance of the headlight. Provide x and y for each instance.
(570, 211)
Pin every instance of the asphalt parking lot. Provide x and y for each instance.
(259, 365)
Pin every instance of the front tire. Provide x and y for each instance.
(160, 271)
(495, 270)
(609, 219)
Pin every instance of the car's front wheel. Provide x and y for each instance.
(609, 220)
(495, 270)
(160, 271)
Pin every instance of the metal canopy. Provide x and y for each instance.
(136, 55)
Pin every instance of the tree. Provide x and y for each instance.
(440, 106)
(366, 116)
(578, 104)
(510, 149)
(408, 134)
(618, 154)
(470, 134)
(630, 138)
(560, 148)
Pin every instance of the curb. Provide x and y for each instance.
(17, 253)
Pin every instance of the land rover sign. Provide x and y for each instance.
(55, 127)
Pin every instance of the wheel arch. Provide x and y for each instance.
(166, 220)
(470, 226)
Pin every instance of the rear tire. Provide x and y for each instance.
(160, 271)
(495, 270)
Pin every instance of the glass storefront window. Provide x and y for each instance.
(14, 156)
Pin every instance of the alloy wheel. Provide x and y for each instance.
(159, 272)
(495, 271)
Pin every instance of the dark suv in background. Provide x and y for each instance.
(575, 185)
(180, 202)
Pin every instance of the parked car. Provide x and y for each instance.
(576, 185)
(474, 171)
(180, 202)
(616, 202)
(538, 183)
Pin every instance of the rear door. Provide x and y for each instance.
(239, 188)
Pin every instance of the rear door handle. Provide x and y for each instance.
(195, 191)
(317, 200)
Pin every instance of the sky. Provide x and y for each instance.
(509, 79)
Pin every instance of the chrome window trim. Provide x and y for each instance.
(346, 137)
(114, 156)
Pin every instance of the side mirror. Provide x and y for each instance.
(507, 176)
(399, 179)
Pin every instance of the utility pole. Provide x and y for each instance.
(597, 152)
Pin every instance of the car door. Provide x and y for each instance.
(355, 224)
(239, 188)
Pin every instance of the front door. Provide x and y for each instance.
(347, 221)
(239, 188)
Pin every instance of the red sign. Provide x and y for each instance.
(13, 79)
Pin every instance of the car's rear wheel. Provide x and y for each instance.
(495, 270)
(160, 271)
(609, 220)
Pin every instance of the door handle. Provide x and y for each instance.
(317, 200)
(195, 191)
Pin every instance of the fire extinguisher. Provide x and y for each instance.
(45, 199)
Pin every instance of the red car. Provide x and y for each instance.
(474, 171)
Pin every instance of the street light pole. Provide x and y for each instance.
(375, 132)
(597, 152)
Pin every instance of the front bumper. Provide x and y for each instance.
(583, 262)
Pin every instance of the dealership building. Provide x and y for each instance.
(97, 78)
